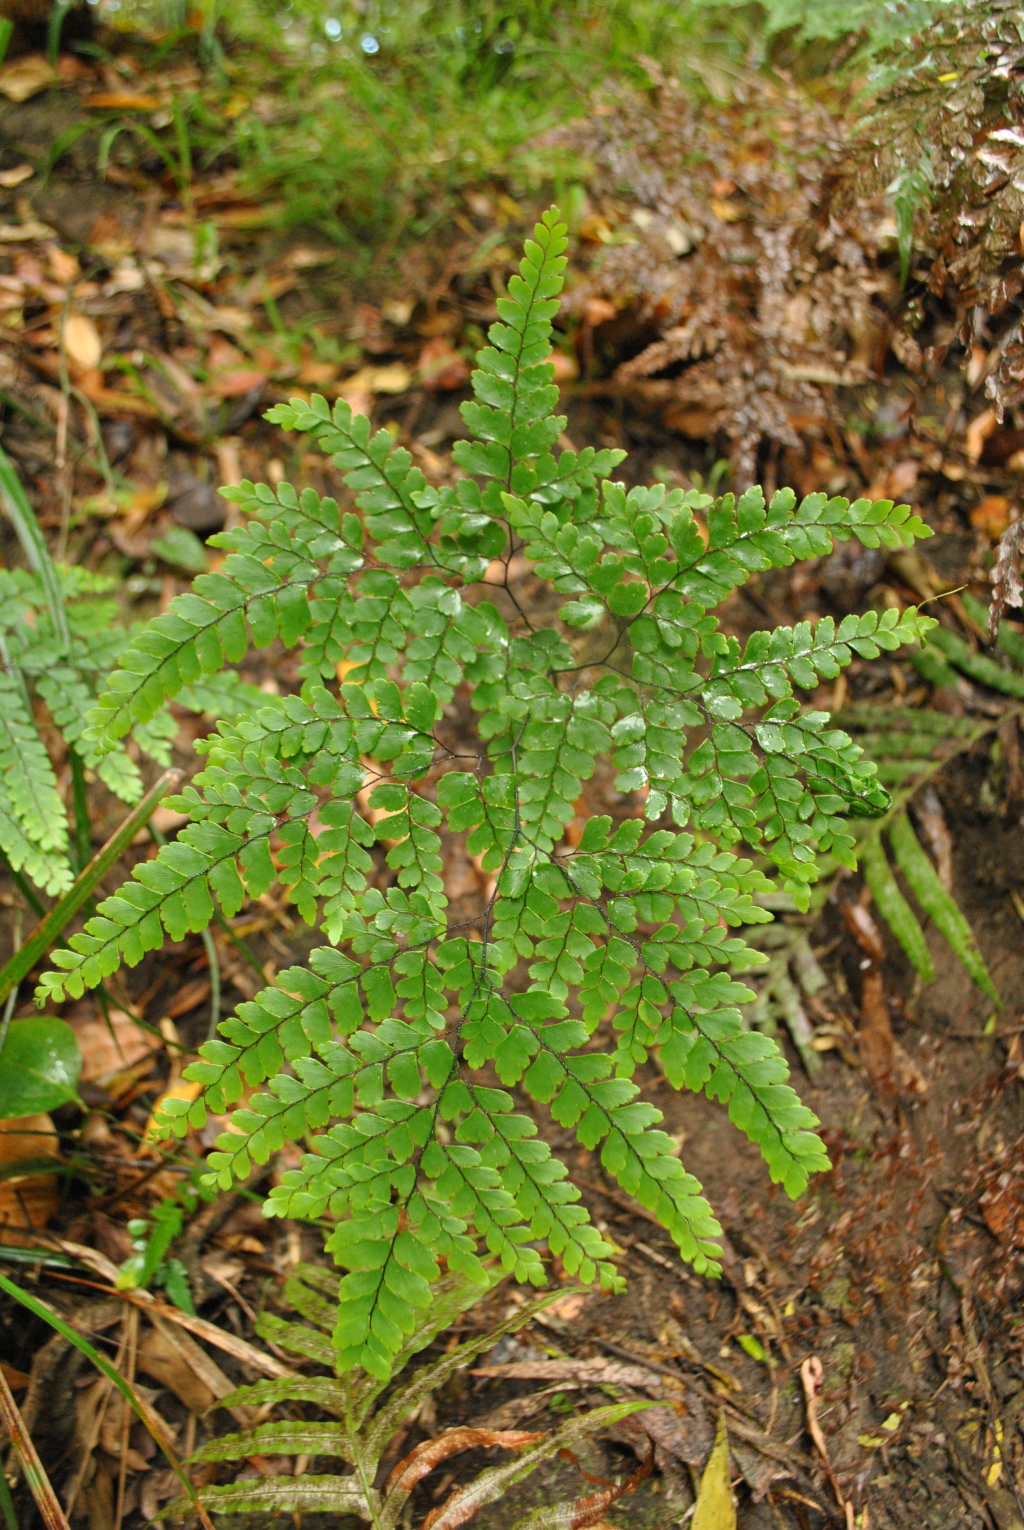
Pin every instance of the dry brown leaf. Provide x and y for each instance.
(238, 383)
(441, 367)
(568, 1306)
(864, 931)
(395, 378)
(992, 515)
(978, 432)
(598, 310)
(422, 1460)
(182, 1365)
(16, 175)
(28, 228)
(82, 343)
(875, 1033)
(160, 1356)
(567, 368)
(26, 1201)
(25, 77)
(108, 1049)
(188, 998)
(112, 1430)
(932, 822)
(16, 1380)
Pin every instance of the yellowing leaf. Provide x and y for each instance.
(715, 1509)
(82, 342)
(28, 1200)
(25, 77)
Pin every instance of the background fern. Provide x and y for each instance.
(360, 1427)
(911, 746)
(385, 1053)
(62, 666)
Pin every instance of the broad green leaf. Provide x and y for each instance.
(39, 1067)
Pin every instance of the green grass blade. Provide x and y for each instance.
(937, 902)
(47, 931)
(893, 906)
(33, 545)
(51, 1318)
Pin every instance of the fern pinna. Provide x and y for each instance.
(390, 1044)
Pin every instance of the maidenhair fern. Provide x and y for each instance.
(416, 1055)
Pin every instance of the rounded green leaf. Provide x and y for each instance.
(39, 1067)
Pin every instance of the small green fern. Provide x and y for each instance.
(587, 956)
(360, 1430)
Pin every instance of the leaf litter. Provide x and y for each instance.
(743, 307)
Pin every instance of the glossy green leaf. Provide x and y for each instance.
(39, 1067)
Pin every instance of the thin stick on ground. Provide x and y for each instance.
(126, 1415)
(35, 1474)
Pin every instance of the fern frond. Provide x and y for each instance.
(49, 870)
(373, 1052)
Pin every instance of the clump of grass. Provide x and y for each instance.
(366, 118)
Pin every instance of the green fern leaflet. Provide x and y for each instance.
(415, 1055)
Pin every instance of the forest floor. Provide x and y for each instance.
(899, 1271)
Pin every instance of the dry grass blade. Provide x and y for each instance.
(132, 1325)
(238, 1348)
(42, 1491)
(151, 1421)
(603, 1372)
